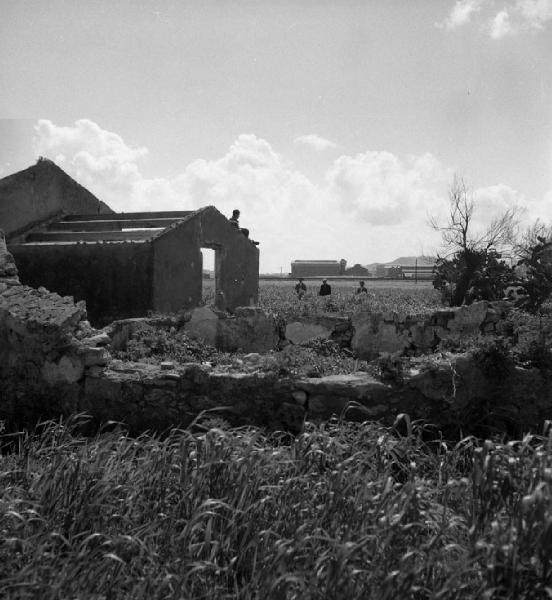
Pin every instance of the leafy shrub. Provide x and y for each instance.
(537, 282)
(471, 275)
(532, 338)
(494, 356)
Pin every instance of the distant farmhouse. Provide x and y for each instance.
(318, 268)
(123, 264)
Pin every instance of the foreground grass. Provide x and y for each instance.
(343, 511)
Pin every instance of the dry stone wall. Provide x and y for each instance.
(369, 335)
(392, 332)
(53, 363)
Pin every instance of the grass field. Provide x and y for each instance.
(279, 296)
(343, 511)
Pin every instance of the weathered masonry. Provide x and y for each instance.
(121, 264)
(42, 192)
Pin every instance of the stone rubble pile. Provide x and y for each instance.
(45, 348)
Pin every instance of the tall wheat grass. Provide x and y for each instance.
(343, 511)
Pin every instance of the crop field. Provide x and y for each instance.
(382, 296)
(343, 511)
(401, 296)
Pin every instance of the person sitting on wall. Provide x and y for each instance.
(362, 289)
(300, 288)
(235, 222)
(325, 288)
(235, 218)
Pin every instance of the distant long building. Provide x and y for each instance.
(318, 268)
(407, 272)
(418, 272)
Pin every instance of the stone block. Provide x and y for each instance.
(68, 369)
(101, 339)
(298, 333)
(94, 356)
(254, 331)
(323, 407)
(468, 319)
(300, 396)
(203, 326)
(373, 336)
(426, 337)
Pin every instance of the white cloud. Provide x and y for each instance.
(315, 141)
(381, 189)
(371, 206)
(535, 13)
(515, 16)
(278, 203)
(96, 157)
(500, 25)
(461, 13)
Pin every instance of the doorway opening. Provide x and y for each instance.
(208, 276)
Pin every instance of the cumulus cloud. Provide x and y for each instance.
(381, 189)
(278, 203)
(500, 25)
(315, 141)
(96, 157)
(535, 13)
(515, 16)
(461, 13)
(370, 206)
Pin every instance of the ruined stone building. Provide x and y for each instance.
(121, 264)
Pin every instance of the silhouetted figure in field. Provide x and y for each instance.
(300, 288)
(325, 288)
(362, 289)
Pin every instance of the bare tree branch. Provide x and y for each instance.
(457, 232)
(536, 233)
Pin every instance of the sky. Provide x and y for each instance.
(336, 127)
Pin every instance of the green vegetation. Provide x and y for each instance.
(473, 266)
(403, 297)
(342, 511)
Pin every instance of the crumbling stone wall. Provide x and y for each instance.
(375, 333)
(45, 348)
(371, 334)
(53, 363)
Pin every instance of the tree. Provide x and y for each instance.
(536, 259)
(535, 234)
(471, 267)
